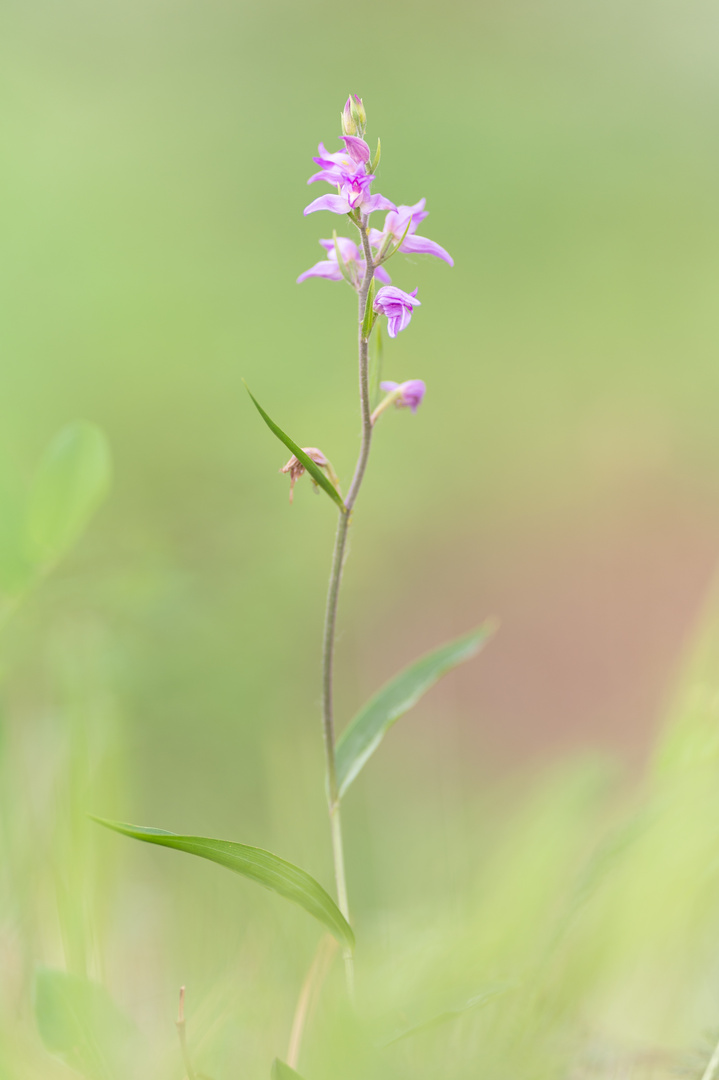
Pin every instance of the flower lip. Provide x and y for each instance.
(390, 294)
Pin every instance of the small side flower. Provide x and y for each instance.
(397, 305)
(400, 227)
(406, 395)
(350, 255)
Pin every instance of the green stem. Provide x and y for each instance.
(328, 647)
(711, 1069)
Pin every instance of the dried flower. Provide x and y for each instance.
(296, 469)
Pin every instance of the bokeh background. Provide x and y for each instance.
(561, 475)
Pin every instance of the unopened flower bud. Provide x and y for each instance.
(354, 117)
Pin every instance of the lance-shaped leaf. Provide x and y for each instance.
(369, 313)
(486, 995)
(314, 470)
(79, 1022)
(261, 866)
(399, 243)
(280, 1071)
(340, 261)
(377, 155)
(71, 482)
(363, 735)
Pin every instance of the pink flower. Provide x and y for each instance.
(347, 170)
(397, 306)
(394, 227)
(410, 393)
(351, 256)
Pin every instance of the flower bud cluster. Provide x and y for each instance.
(354, 118)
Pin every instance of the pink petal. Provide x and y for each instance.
(422, 246)
(336, 203)
(357, 149)
(322, 269)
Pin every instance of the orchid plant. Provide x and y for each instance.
(361, 263)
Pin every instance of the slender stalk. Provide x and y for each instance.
(181, 1031)
(338, 558)
(711, 1069)
(311, 987)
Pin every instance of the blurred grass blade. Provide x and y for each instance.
(475, 1002)
(314, 470)
(261, 866)
(15, 568)
(280, 1071)
(71, 482)
(363, 735)
(79, 1022)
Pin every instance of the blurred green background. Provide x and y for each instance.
(561, 474)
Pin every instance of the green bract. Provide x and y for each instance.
(261, 866)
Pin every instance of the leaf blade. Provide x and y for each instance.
(365, 732)
(71, 482)
(479, 1000)
(266, 869)
(312, 468)
(79, 1022)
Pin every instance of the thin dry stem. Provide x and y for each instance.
(182, 1035)
(307, 1001)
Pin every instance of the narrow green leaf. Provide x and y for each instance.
(404, 237)
(79, 1022)
(16, 571)
(340, 261)
(280, 1071)
(375, 159)
(375, 375)
(261, 866)
(71, 482)
(486, 995)
(398, 245)
(314, 470)
(369, 313)
(363, 735)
